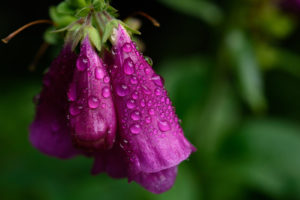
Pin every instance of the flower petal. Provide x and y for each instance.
(50, 132)
(146, 117)
(92, 113)
(157, 182)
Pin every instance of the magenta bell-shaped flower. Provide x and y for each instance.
(92, 113)
(50, 130)
(150, 139)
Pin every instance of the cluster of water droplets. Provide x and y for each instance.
(147, 107)
(92, 101)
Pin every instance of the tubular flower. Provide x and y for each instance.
(150, 135)
(108, 103)
(50, 131)
(92, 113)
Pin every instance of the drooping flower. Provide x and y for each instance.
(50, 131)
(150, 137)
(92, 113)
(112, 107)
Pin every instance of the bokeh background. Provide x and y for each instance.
(232, 69)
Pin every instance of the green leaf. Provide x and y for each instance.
(51, 37)
(64, 8)
(77, 3)
(60, 20)
(129, 29)
(247, 69)
(202, 9)
(94, 37)
(83, 12)
(109, 29)
(266, 157)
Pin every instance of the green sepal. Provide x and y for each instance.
(76, 37)
(61, 20)
(94, 36)
(129, 29)
(64, 8)
(83, 12)
(99, 5)
(52, 37)
(109, 29)
(77, 3)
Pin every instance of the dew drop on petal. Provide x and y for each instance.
(163, 125)
(122, 90)
(93, 102)
(106, 92)
(99, 73)
(146, 90)
(135, 115)
(128, 66)
(75, 109)
(158, 80)
(133, 80)
(135, 129)
(72, 92)
(135, 95)
(148, 120)
(131, 104)
(157, 92)
(147, 70)
(143, 103)
(151, 111)
(106, 79)
(82, 63)
(127, 47)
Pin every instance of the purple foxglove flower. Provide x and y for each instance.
(92, 113)
(50, 131)
(151, 143)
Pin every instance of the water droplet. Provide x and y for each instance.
(158, 80)
(128, 66)
(133, 80)
(143, 103)
(131, 104)
(135, 115)
(151, 111)
(141, 66)
(157, 91)
(135, 129)
(163, 125)
(106, 79)
(106, 92)
(149, 60)
(149, 103)
(135, 95)
(148, 120)
(99, 73)
(93, 102)
(146, 90)
(103, 105)
(72, 92)
(167, 101)
(147, 70)
(162, 99)
(75, 109)
(122, 90)
(127, 47)
(82, 63)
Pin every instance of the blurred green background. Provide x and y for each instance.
(232, 69)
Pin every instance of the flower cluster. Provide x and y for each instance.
(110, 105)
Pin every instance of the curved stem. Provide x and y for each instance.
(13, 34)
